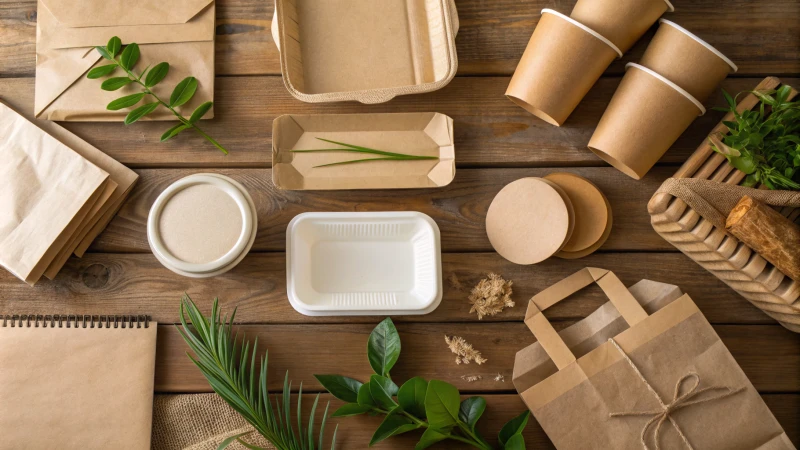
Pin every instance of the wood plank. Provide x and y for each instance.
(768, 354)
(137, 284)
(459, 209)
(490, 131)
(355, 432)
(491, 40)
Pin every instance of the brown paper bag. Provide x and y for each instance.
(180, 33)
(660, 380)
(46, 191)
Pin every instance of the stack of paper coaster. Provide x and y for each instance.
(561, 215)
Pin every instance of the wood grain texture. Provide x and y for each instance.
(490, 131)
(355, 432)
(459, 209)
(304, 350)
(491, 40)
(137, 284)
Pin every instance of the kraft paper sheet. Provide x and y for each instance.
(180, 33)
(574, 403)
(77, 388)
(47, 190)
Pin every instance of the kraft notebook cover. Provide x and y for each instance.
(76, 382)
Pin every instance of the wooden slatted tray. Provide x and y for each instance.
(721, 254)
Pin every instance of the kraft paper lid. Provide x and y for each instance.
(592, 213)
(528, 221)
(200, 224)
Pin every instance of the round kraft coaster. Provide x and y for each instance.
(592, 211)
(528, 221)
(570, 209)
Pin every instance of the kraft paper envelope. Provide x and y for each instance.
(46, 191)
(180, 33)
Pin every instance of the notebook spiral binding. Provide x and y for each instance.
(75, 321)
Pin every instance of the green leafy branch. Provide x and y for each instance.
(435, 407)
(229, 365)
(764, 143)
(183, 92)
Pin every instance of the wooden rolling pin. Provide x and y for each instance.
(773, 236)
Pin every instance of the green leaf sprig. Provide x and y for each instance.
(229, 365)
(764, 143)
(385, 156)
(183, 92)
(435, 407)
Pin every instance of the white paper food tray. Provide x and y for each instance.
(363, 263)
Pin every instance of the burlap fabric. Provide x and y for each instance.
(198, 422)
(714, 200)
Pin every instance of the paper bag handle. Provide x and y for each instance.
(628, 307)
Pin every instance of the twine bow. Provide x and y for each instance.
(681, 399)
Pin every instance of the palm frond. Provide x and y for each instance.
(229, 365)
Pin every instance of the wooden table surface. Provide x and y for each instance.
(496, 143)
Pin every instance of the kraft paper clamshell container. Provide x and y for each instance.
(373, 263)
(370, 54)
(646, 116)
(428, 134)
(202, 225)
(563, 60)
(623, 22)
(687, 60)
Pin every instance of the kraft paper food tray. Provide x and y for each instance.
(375, 52)
(181, 33)
(429, 134)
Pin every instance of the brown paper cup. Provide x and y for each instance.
(564, 58)
(645, 117)
(622, 22)
(686, 60)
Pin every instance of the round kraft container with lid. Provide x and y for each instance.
(202, 225)
(528, 221)
(593, 215)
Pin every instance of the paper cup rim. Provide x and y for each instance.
(229, 187)
(701, 42)
(670, 8)
(584, 28)
(669, 83)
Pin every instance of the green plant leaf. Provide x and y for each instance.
(429, 437)
(183, 92)
(228, 441)
(200, 111)
(383, 347)
(515, 442)
(365, 397)
(125, 102)
(104, 53)
(156, 74)
(392, 425)
(382, 390)
(101, 71)
(113, 46)
(113, 84)
(343, 388)
(731, 102)
(514, 426)
(140, 112)
(411, 396)
(130, 56)
(744, 163)
(442, 402)
(174, 131)
(471, 410)
(350, 409)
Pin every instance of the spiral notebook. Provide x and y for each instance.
(76, 382)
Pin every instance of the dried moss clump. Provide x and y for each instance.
(491, 296)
